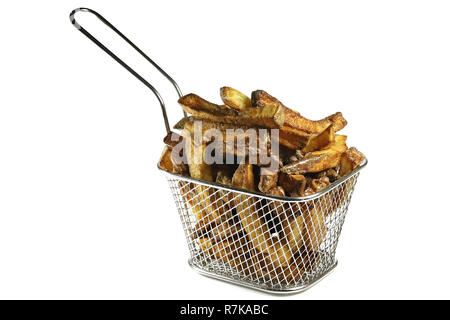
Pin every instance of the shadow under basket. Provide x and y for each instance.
(279, 245)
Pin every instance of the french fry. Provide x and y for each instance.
(291, 182)
(268, 180)
(350, 160)
(198, 169)
(271, 116)
(320, 140)
(235, 99)
(315, 230)
(194, 105)
(316, 161)
(165, 162)
(261, 237)
(293, 140)
(235, 252)
(320, 183)
(294, 120)
(252, 220)
(293, 229)
(338, 121)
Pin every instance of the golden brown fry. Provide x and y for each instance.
(293, 227)
(235, 99)
(179, 166)
(320, 183)
(207, 125)
(315, 230)
(198, 169)
(165, 161)
(172, 139)
(180, 124)
(179, 161)
(291, 182)
(252, 220)
(297, 130)
(286, 274)
(235, 252)
(338, 121)
(277, 191)
(316, 161)
(293, 140)
(268, 179)
(320, 140)
(243, 177)
(243, 142)
(194, 105)
(219, 229)
(294, 120)
(350, 160)
(269, 116)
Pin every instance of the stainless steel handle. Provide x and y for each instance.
(123, 64)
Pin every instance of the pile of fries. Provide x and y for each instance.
(234, 228)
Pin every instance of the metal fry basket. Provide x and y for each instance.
(268, 243)
(288, 244)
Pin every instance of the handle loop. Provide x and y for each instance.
(123, 64)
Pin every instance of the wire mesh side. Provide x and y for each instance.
(259, 242)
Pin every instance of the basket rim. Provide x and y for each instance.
(318, 194)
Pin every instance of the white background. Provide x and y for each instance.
(84, 212)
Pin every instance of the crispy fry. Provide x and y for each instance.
(315, 230)
(180, 124)
(252, 221)
(172, 139)
(293, 140)
(198, 169)
(316, 161)
(350, 160)
(235, 99)
(271, 116)
(268, 180)
(219, 229)
(320, 140)
(243, 177)
(179, 167)
(291, 182)
(293, 227)
(277, 191)
(320, 183)
(294, 120)
(267, 238)
(177, 156)
(206, 125)
(165, 161)
(338, 121)
(234, 252)
(194, 105)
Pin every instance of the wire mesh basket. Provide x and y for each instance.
(269, 243)
(274, 244)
